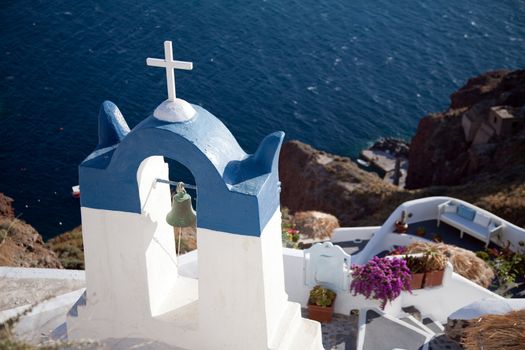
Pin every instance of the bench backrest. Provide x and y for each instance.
(471, 214)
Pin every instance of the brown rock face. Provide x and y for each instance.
(477, 89)
(316, 180)
(315, 225)
(20, 244)
(440, 153)
(6, 209)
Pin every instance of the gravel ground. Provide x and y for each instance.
(341, 333)
(16, 292)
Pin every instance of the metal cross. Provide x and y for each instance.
(170, 65)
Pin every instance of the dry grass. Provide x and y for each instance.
(69, 248)
(496, 332)
(465, 262)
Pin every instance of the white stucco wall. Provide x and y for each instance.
(131, 266)
(342, 234)
(437, 302)
(241, 278)
(134, 288)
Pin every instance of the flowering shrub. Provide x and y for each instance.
(398, 251)
(508, 264)
(290, 237)
(381, 278)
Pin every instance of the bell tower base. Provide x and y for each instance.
(239, 301)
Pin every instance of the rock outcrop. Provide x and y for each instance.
(20, 244)
(463, 144)
(397, 147)
(316, 180)
(6, 209)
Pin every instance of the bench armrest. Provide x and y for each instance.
(496, 229)
(441, 207)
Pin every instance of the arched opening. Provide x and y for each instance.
(161, 242)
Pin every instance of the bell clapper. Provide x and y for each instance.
(178, 244)
(180, 189)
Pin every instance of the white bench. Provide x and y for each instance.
(469, 220)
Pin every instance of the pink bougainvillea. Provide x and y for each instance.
(381, 278)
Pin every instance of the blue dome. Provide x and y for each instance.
(237, 192)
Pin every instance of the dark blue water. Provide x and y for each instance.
(336, 74)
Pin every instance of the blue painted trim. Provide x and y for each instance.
(237, 192)
(112, 127)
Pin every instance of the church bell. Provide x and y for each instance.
(182, 213)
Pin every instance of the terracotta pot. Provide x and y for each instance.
(417, 280)
(434, 278)
(401, 227)
(320, 313)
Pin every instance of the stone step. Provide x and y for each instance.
(307, 336)
(436, 327)
(442, 342)
(289, 321)
(411, 320)
(74, 311)
(379, 331)
(412, 310)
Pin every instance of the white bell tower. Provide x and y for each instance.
(134, 289)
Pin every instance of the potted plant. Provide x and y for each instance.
(421, 231)
(321, 304)
(400, 250)
(436, 237)
(401, 225)
(416, 264)
(381, 278)
(290, 236)
(435, 262)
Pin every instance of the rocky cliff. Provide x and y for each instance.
(20, 244)
(462, 145)
(316, 180)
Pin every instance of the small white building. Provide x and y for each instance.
(504, 120)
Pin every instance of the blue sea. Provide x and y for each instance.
(336, 74)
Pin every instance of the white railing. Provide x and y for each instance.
(427, 209)
(344, 234)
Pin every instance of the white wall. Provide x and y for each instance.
(455, 292)
(241, 286)
(427, 209)
(343, 234)
(298, 291)
(437, 302)
(130, 258)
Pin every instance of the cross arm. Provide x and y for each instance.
(156, 62)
